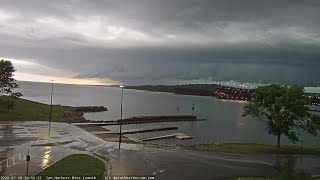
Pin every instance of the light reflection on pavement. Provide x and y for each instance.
(132, 159)
(46, 157)
(16, 139)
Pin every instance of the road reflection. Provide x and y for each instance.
(46, 157)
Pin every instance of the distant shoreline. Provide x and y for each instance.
(316, 89)
(223, 92)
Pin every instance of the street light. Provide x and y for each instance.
(121, 86)
(28, 160)
(50, 116)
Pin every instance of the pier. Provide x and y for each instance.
(144, 119)
(137, 131)
(180, 136)
(156, 119)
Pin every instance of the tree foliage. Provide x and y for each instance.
(283, 109)
(7, 84)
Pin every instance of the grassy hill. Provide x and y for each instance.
(26, 110)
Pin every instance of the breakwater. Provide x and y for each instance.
(77, 114)
(86, 109)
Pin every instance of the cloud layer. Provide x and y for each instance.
(170, 41)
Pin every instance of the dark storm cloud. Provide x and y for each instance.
(150, 42)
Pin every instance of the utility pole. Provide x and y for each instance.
(120, 134)
(50, 116)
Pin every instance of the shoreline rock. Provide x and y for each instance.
(86, 109)
(77, 115)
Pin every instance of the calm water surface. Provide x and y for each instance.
(224, 122)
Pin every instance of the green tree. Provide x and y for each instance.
(283, 109)
(7, 85)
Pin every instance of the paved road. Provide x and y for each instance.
(175, 164)
(133, 159)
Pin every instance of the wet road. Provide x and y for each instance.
(133, 159)
(175, 164)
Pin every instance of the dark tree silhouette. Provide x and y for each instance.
(7, 85)
(283, 109)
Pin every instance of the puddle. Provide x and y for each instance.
(54, 144)
(66, 142)
(45, 144)
(77, 148)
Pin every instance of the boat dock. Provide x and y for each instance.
(137, 131)
(155, 119)
(144, 119)
(180, 136)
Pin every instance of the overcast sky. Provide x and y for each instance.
(162, 41)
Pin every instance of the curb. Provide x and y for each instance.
(106, 163)
(50, 164)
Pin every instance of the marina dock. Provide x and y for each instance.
(155, 119)
(180, 136)
(144, 119)
(137, 131)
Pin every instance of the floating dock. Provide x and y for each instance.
(155, 119)
(137, 131)
(144, 119)
(98, 123)
(180, 136)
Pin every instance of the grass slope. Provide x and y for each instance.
(76, 165)
(26, 110)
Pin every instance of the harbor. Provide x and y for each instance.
(223, 117)
(143, 120)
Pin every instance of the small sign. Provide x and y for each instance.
(28, 158)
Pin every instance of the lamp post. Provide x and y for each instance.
(192, 109)
(50, 114)
(28, 160)
(120, 134)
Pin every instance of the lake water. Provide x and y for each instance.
(224, 122)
